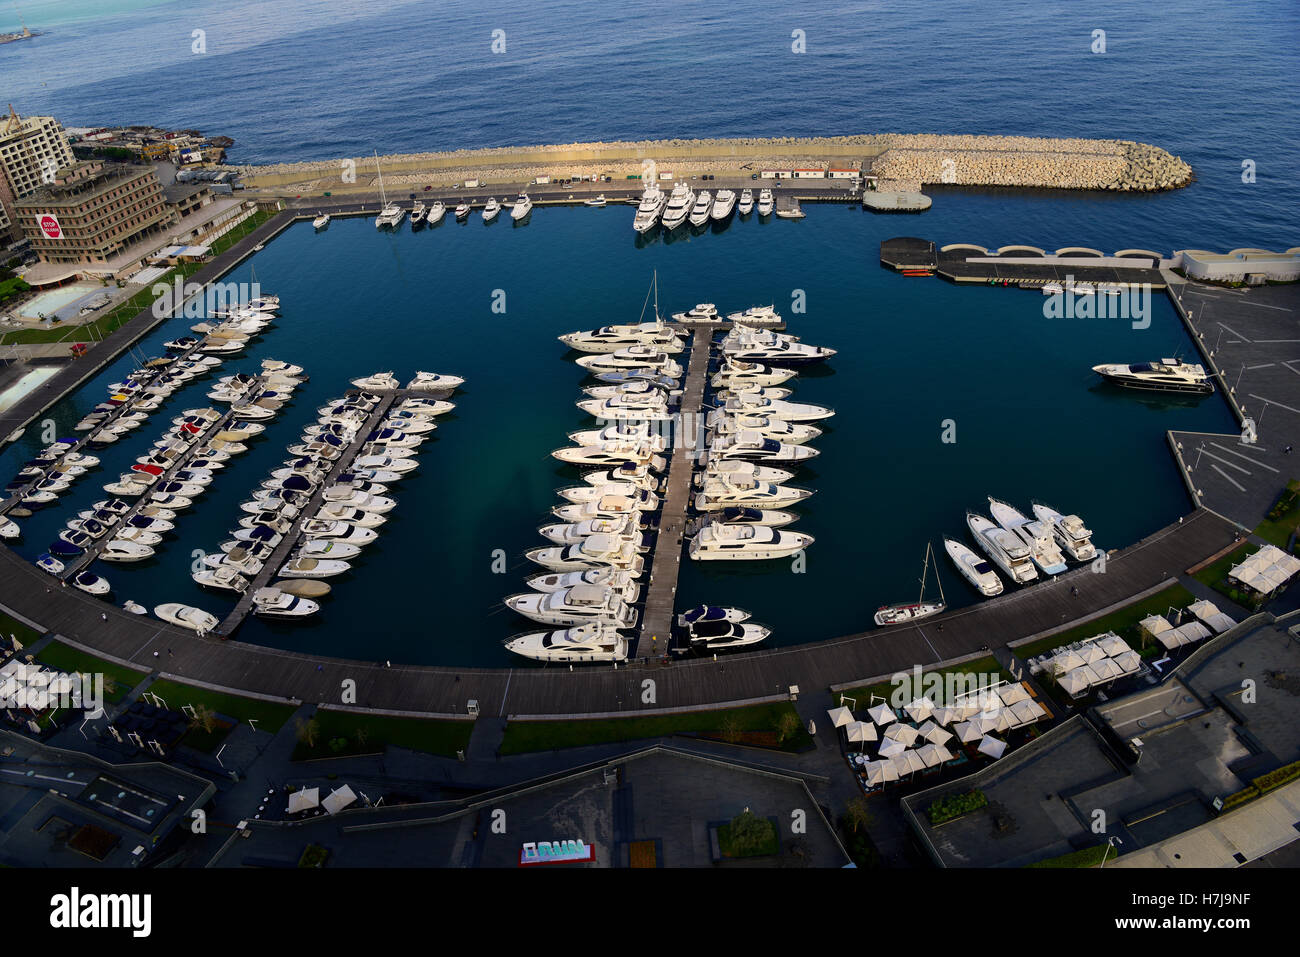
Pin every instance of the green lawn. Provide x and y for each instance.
(12, 626)
(1088, 857)
(118, 679)
(128, 309)
(987, 665)
(1216, 575)
(759, 721)
(1122, 621)
(12, 288)
(1278, 530)
(269, 715)
(766, 846)
(341, 733)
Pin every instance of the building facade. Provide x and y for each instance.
(93, 211)
(32, 151)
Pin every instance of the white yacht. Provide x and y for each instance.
(611, 454)
(650, 209)
(723, 204)
(794, 212)
(378, 381)
(436, 211)
(125, 551)
(584, 644)
(491, 209)
(739, 469)
(707, 637)
(1037, 535)
(582, 494)
(765, 202)
(753, 402)
(313, 568)
(620, 432)
(720, 494)
(1167, 375)
(755, 447)
(392, 214)
(273, 603)
(434, 382)
(679, 206)
(700, 211)
(462, 212)
(594, 551)
(622, 526)
(905, 613)
(608, 506)
(606, 575)
(973, 568)
(736, 374)
(656, 336)
(596, 202)
(187, 616)
(418, 212)
(321, 221)
(791, 433)
(522, 207)
(746, 204)
(653, 406)
(576, 605)
(223, 578)
(718, 542)
(700, 312)
(1006, 549)
(1070, 531)
(633, 357)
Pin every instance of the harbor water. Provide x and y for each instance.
(915, 357)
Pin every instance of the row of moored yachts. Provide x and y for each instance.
(352, 506)
(683, 205)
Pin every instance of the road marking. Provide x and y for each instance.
(1271, 402)
(1246, 457)
(1226, 476)
(1272, 341)
(1231, 465)
(937, 656)
(1266, 365)
(1234, 332)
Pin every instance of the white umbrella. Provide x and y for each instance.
(840, 716)
(1011, 693)
(881, 714)
(339, 799)
(902, 732)
(919, 709)
(861, 731)
(304, 800)
(890, 747)
(967, 731)
(992, 747)
(936, 734)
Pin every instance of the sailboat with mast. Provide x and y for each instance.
(907, 612)
(392, 214)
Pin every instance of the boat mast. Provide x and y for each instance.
(383, 197)
(925, 568)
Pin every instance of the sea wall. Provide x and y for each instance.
(912, 159)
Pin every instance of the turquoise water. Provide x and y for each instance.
(1031, 421)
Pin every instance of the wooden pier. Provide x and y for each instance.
(281, 551)
(666, 562)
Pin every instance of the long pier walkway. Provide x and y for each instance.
(281, 551)
(666, 564)
(223, 421)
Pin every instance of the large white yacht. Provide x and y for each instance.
(657, 335)
(720, 542)
(720, 494)
(650, 406)
(700, 211)
(522, 207)
(576, 605)
(741, 470)
(679, 206)
(792, 433)
(736, 374)
(1167, 375)
(973, 568)
(1006, 549)
(633, 357)
(650, 209)
(765, 202)
(491, 209)
(592, 643)
(1070, 531)
(1037, 535)
(611, 454)
(723, 204)
(607, 575)
(754, 402)
(391, 215)
(754, 446)
(594, 551)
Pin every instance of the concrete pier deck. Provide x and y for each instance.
(665, 566)
(281, 551)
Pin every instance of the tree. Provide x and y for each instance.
(307, 731)
(730, 729)
(786, 726)
(857, 814)
(204, 719)
(749, 833)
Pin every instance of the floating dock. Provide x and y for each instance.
(887, 201)
(1024, 266)
(666, 562)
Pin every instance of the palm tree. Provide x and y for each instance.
(307, 731)
(204, 719)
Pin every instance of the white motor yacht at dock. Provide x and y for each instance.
(1006, 549)
(491, 210)
(745, 205)
(1071, 533)
(650, 209)
(720, 542)
(585, 644)
(680, 202)
(521, 208)
(723, 204)
(700, 211)
(1167, 375)
(973, 568)
(576, 605)
(1037, 535)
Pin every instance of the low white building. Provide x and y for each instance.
(1241, 265)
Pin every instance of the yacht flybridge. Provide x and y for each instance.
(1070, 531)
(907, 612)
(1167, 375)
(1036, 534)
(1006, 549)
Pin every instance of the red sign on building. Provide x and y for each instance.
(50, 226)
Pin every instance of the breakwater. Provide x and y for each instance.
(906, 160)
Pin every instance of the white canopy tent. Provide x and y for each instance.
(1208, 613)
(339, 799)
(861, 731)
(919, 709)
(902, 732)
(840, 716)
(304, 800)
(992, 747)
(881, 715)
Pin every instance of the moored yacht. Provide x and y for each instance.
(746, 204)
(1167, 375)
(575, 605)
(1006, 549)
(679, 206)
(522, 207)
(723, 204)
(720, 542)
(973, 568)
(905, 613)
(591, 643)
(650, 209)
(1070, 531)
(491, 209)
(700, 211)
(765, 202)
(321, 221)
(436, 211)
(1036, 534)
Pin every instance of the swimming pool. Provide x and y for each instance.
(62, 303)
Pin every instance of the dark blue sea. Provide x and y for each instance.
(293, 81)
